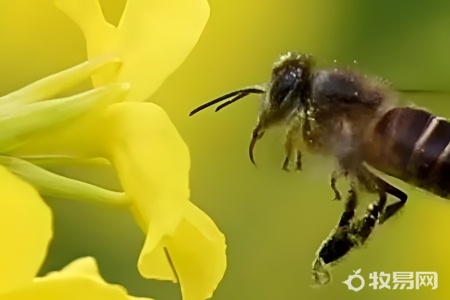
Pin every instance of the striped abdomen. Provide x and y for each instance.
(413, 145)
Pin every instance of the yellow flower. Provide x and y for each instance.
(24, 248)
(151, 159)
(152, 39)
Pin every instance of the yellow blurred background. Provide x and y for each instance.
(274, 221)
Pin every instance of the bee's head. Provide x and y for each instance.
(287, 90)
(281, 97)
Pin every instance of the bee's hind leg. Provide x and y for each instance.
(372, 182)
(348, 234)
(338, 243)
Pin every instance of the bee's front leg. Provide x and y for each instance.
(291, 148)
(298, 162)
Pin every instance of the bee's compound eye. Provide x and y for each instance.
(284, 82)
(290, 77)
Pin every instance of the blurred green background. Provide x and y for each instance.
(273, 221)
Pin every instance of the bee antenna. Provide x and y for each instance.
(239, 96)
(236, 94)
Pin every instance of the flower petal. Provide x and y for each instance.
(25, 229)
(152, 39)
(78, 280)
(197, 253)
(152, 162)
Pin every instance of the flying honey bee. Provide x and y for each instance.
(355, 119)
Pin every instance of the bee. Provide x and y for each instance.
(355, 119)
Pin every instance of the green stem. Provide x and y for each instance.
(63, 160)
(51, 184)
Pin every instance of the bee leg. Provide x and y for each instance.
(393, 208)
(333, 180)
(363, 228)
(290, 148)
(286, 162)
(338, 243)
(298, 161)
(373, 182)
(349, 234)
